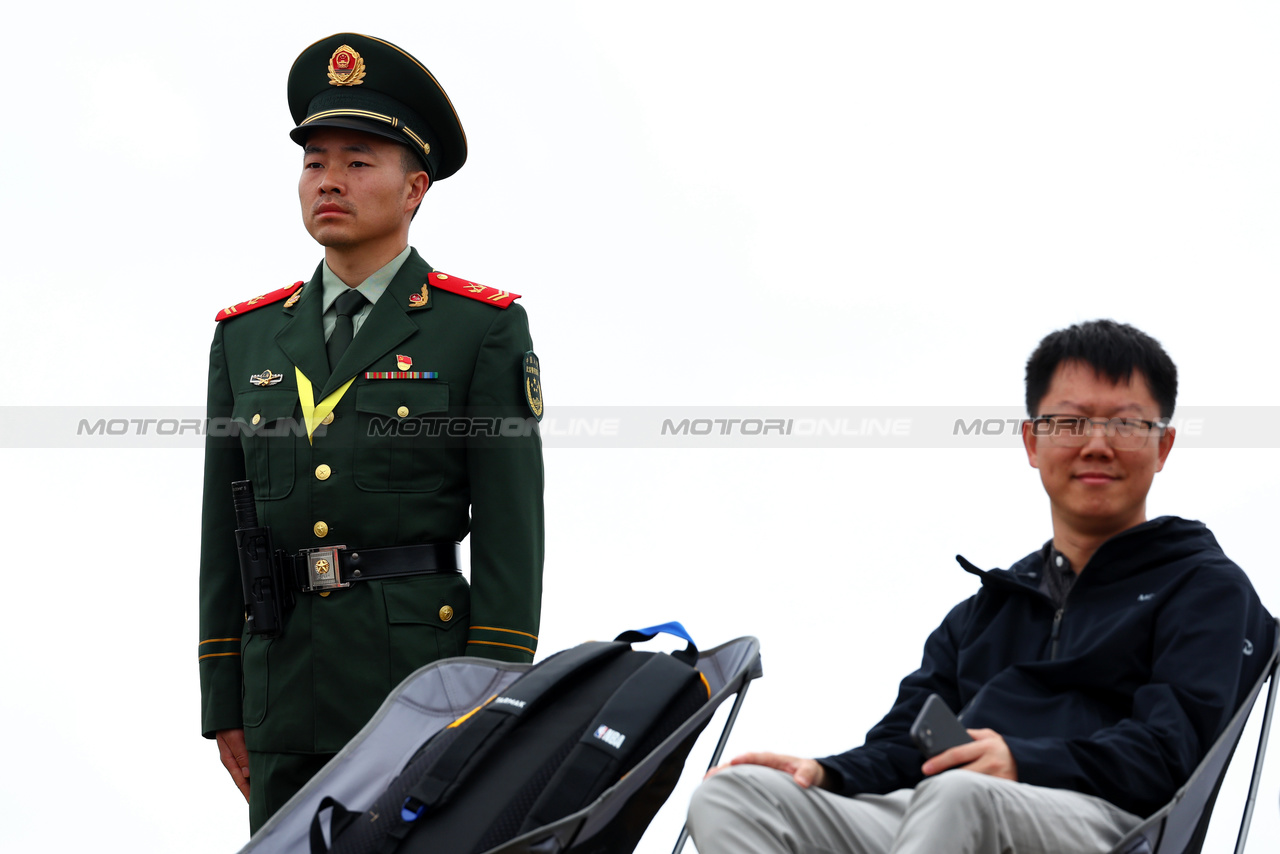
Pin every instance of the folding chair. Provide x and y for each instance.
(438, 694)
(1180, 826)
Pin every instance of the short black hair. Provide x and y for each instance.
(409, 160)
(1113, 350)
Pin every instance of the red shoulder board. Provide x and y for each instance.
(258, 302)
(462, 287)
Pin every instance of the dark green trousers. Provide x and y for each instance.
(274, 778)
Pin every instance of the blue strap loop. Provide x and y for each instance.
(673, 628)
(408, 813)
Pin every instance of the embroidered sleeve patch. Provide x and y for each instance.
(533, 384)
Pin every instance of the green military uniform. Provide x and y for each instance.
(393, 464)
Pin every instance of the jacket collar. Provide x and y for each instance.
(385, 327)
(1155, 542)
(302, 337)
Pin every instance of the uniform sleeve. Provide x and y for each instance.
(506, 479)
(889, 759)
(221, 598)
(1210, 642)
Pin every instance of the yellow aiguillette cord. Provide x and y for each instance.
(311, 413)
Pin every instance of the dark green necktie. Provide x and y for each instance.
(347, 305)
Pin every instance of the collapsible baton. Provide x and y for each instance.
(260, 567)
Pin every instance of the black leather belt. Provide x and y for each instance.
(335, 566)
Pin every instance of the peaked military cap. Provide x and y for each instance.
(354, 81)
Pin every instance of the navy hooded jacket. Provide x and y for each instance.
(1120, 694)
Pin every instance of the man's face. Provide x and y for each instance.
(1095, 489)
(354, 189)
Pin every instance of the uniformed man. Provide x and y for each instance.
(381, 411)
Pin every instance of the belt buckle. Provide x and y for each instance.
(323, 570)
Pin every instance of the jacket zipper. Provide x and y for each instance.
(1014, 585)
(1053, 636)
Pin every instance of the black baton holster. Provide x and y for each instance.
(266, 595)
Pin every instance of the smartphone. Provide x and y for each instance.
(936, 729)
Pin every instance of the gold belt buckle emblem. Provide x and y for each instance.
(323, 569)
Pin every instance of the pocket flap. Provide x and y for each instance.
(267, 405)
(403, 398)
(428, 600)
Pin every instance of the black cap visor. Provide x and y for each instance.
(372, 112)
(301, 132)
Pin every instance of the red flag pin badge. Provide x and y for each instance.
(403, 363)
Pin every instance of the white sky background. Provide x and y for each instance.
(703, 204)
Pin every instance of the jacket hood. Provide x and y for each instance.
(1153, 545)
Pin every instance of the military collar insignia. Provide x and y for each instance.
(533, 384)
(293, 300)
(346, 67)
(265, 378)
(421, 299)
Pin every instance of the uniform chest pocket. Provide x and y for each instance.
(268, 424)
(404, 443)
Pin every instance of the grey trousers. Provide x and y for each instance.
(750, 809)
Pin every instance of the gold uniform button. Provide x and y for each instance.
(257, 416)
(323, 471)
(446, 613)
(441, 276)
(402, 411)
(320, 529)
(325, 593)
(328, 419)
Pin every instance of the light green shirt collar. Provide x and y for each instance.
(372, 287)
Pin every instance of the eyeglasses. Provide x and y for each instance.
(1074, 431)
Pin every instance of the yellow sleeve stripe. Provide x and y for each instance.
(508, 631)
(495, 643)
(219, 640)
(216, 655)
(705, 683)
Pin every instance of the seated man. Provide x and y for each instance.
(1095, 673)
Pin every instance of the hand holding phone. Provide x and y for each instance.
(936, 729)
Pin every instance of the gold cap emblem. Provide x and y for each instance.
(346, 67)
